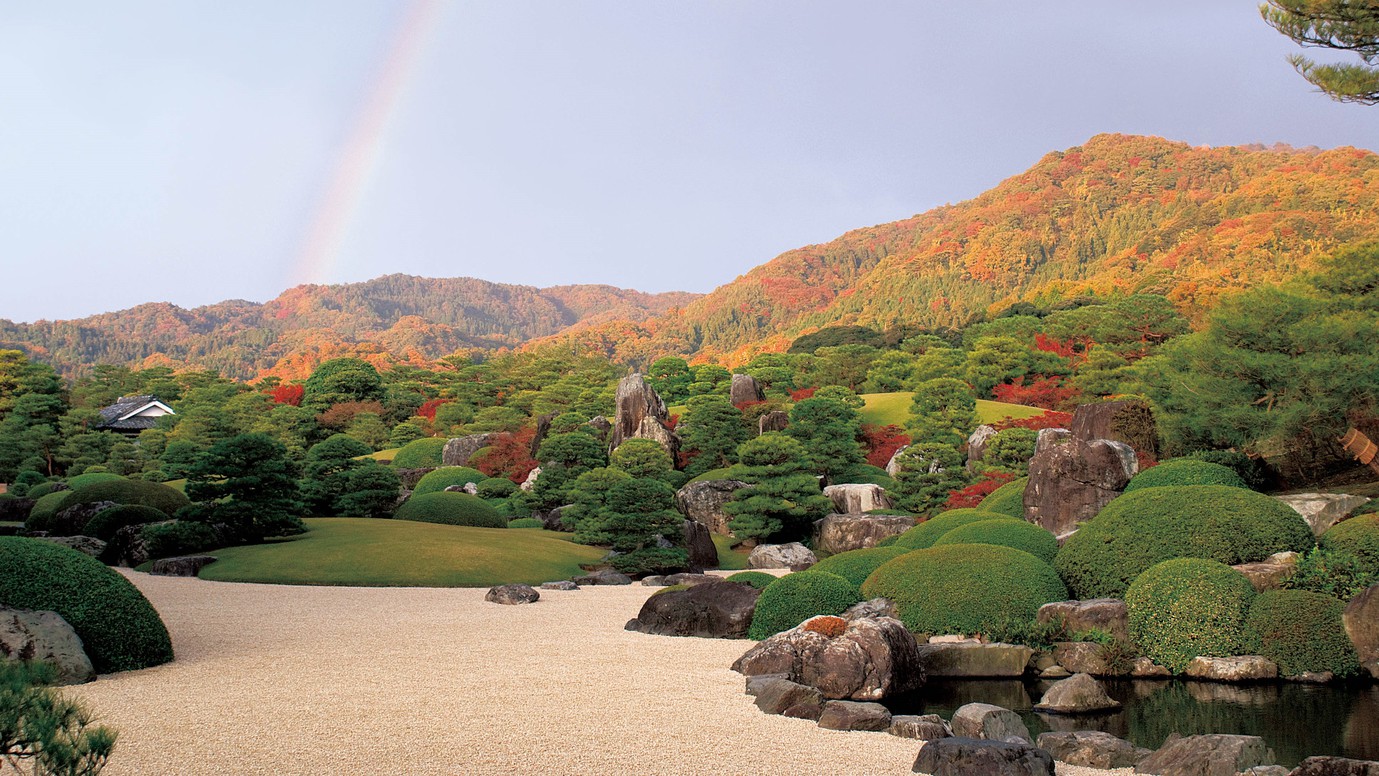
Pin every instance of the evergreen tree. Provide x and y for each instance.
(323, 474)
(245, 486)
(827, 430)
(943, 411)
(642, 458)
(927, 472)
(715, 428)
(1346, 25)
(369, 489)
(782, 499)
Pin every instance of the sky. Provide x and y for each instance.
(192, 152)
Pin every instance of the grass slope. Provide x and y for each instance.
(399, 553)
(728, 558)
(894, 409)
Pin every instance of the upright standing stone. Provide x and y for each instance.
(775, 420)
(745, 389)
(457, 451)
(543, 428)
(1069, 483)
(1361, 620)
(636, 400)
(1128, 422)
(976, 445)
(703, 503)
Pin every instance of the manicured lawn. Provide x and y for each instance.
(894, 409)
(178, 484)
(399, 553)
(383, 456)
(728, 558)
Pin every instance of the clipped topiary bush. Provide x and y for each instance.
(1186, 607)
(104, 525)
(1009, 499)
(794, 598)
(494, 488)
(1358, 536)
(757, 579)
(1185, 471)
(121, 491)
(179, 537)
(119, 628)
(1009, 532)
(91, 478)
(420, 454)
(1252, 471)
(889, 541)
(45, 488)
(450, 508)
(1151, 525)
(44, 510)
(448, 476)
(526, 522)
(1302, 631)
(965, 588)
(856, 565)
(926, 533)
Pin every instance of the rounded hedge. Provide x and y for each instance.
(44, 510)
(104, 525)
(451, 508)
(1009, 499)
(45, 489)
(965, 588)
(794, 598)
(526, 522)
(1007, 532)
(91, 478)
(1185, 471)
(757, 579)
(121, 491)
(1151, 525)
(856, 565)
(447, 476)
(926, 533)
(496, 487)
(1358, 536)
(118, 627)
(1182, 608)
(889, 541)
(1302, 631)
(420, 453)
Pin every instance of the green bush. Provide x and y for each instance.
(44, 489)
(926, 533)
(1252, 471)
(104, 525)
(1009, 499)
(448, 476)
(1358, 536)
(1337, 573)
(1182, 608)
(1302, 631)
(1185, 471)
(856, 565)
(1007, 532)
(91, 478)
(450, 508)
(794, 598)
(526, 522)
(118, 627)
(757, 579)
(121, 491)
(496, 487)
(44, 509)
(420, 454)
(965, 588)
(651, 560)
(889, 541)
(180, 537)
(1151, 525)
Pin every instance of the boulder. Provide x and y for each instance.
(468, 487)
(601, 426)
(1083, 657)
(1049, 438)
(38, 635)
(457, 451)
(551, 520)
(976, 445)
(543, 429)
(974, 659)
(871, 659)
(127, 547)
(686, 578)
(15, 510)
(1054, 672)
(782, 696)
(1323, 510)
(1361, 619)
(636, 400)
(992, 723)
(1207, 755)
(88, 545)
(703, 553)
(653, 429)
(563, 584)
(71, 520)
(1241, 668)
(1069, 483)
(745, 390)
(530, 481)
(775, 420)
(1079, 694)
(1128, 422)
(703, 503)
(1336, 766)
(755, 684)
(854, 715)
(893, 465)
(1092, 749)
(793, 556)
(1271, 573)
(855, 498)
(183, 566)
(969, 757)
(654, 581)
(1144, 668)
(512, 595)
(604, 577)
(926, 727)
(722, 610)
(840, 533)
(870, 609)
(1103, 614)
(410, 477)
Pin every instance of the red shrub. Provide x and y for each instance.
(972, 495)
(1047, 392)
(507, 455)
(827, 625)
(1050, 419)
(1050, 345)
(882, 442)
(287, 394)
(672, 422)
(802, 394)
(339, 416)
(428, 410)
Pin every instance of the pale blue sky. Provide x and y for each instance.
(180, 151)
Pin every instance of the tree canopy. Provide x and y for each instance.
(1341, 25)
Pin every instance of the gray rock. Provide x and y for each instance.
(656, 431)
(127, 547)
(468, 487)
(1049, 438)
(1336, 766)
(722, 610)
(512, 595)
(551, 520)
(926, 727)
(976, 445)
(854, 715)
(1092, 749)
(563, 584)
(893, 465)
(973, 659)
(530, 481)
(88, 545)
(183, 566)
(1104, 614)
(793, 556)
(840, 533)
(601, 426)
(972, 757)
(457, 451)
(992, 723)
(1127, 422)
(605, 577)
(870, 660)
(1361, 619)
(654, 581)
(71, 521)
(1271, 573)
(698, 542)
(756, 683)
(689, 579)
(1083, 657)
(1207, 755)
(870, 609)
(1069, 483)
(44, 636)
(745, 389)
(855, 498)
(781, 696)
(775, 420)
(636, 400)
(1323, 510)
(1241, 668)
(410, 477)
(1144, 668)
(1079, 694)
(703, 503)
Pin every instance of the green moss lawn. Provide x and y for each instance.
(399, 553)
(728, 558)
(894, 409)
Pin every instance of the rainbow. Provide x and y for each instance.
(359, 156)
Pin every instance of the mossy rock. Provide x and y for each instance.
(420, 454)
(451, 508)
(1302, 631)
(1186, 607)
(794, 598)
(856, 565)
(1358, 536)
(1009, 532)
(756, 579)
(448, 476)
(926, 533)
(1009, 499)
(1185, 471)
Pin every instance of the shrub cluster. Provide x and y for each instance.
(856, 565)
(91, 478)
(1302, 631)
(1358, 536)
(104, 525)
(756, 579)
(1185, 471)
(420, 454)
(1009, 499)
(448, 476)
(180, 537)
(120, 490)
(926, 533)
(45, 488)
(450, 508)
(119, 628)
(494, 488)
(1186, 607)
(1007, 532)
(794, 598)
(1252, 471)
(526, 522)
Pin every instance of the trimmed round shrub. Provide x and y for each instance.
(1252, 471)
(104, 525)
(856, 565)
(1008, 532)
(448, 476)
(91, 478)
(420, 453)
(450, 508)
(179, 537)
(1152, 525)
(121, 491)
(1302, 631)
(1358, 536)
(45, 488)
(1182, 608)
(889, 541)
(926, 533)
(44, 510)
(1009, 499)
(1185, 471)
(117, 625)
(965, 588)
(526, 522)
(496, 488)
(794, 598)
(757, 579)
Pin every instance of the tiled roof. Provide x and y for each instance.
(123, 406)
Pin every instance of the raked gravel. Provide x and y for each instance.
(284, 680)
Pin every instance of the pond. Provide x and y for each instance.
(1296, 720)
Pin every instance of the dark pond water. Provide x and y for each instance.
(1297, 720)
